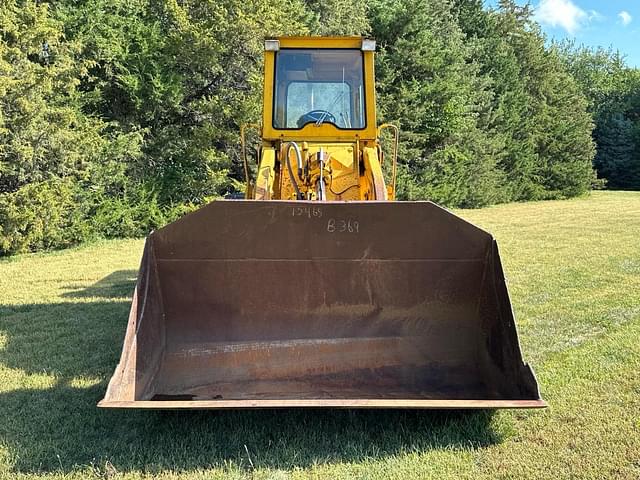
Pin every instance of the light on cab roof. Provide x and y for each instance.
(368, 45)
(272, 45)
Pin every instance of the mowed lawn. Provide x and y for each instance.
(574, 275)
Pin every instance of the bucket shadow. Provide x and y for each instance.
(58, 428)
(115, 285)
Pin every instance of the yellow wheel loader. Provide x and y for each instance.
(317, 289)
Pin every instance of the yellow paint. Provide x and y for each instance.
(351, 157)
(265, 181)
(341, 170)
(391, 189)
(373, 172)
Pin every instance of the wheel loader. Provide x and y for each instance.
(318, 289)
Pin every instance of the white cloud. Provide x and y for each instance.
(562, 13)
(595, 16)
(625, 17)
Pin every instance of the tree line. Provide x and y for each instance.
(118, 116)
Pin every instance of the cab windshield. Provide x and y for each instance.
(320, 86)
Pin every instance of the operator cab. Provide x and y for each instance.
(319, 89)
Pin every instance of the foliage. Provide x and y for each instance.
(613, 91)
(489, 114)
(41, 215)
(538, 115)
(43, 134)
(427, 85)
(119, 114)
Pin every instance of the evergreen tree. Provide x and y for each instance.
(338, 17)
(118, 116)
(537, 110)
(50, 149)
(43, 132)
(429, 85)
(613, 91)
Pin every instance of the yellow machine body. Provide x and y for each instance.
(351, 158)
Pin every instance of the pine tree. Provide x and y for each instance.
(428, 83)
(613, 91)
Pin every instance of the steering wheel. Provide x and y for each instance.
(315, 116)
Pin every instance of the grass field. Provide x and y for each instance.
(574, 274)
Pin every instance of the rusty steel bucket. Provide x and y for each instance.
(306, 304)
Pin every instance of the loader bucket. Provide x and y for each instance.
(306, 304)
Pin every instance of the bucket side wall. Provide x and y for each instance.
(501, 356)
(144, 343)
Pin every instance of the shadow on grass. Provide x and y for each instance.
(60, 428)
(118, 284)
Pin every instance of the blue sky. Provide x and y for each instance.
(608, 23)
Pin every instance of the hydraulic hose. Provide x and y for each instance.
(288, 148)
(322, 194)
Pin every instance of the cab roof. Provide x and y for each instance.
(322, 42)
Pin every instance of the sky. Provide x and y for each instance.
(606, 23)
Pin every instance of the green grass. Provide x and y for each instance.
(574, 275)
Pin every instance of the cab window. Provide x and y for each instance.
(320, 86)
